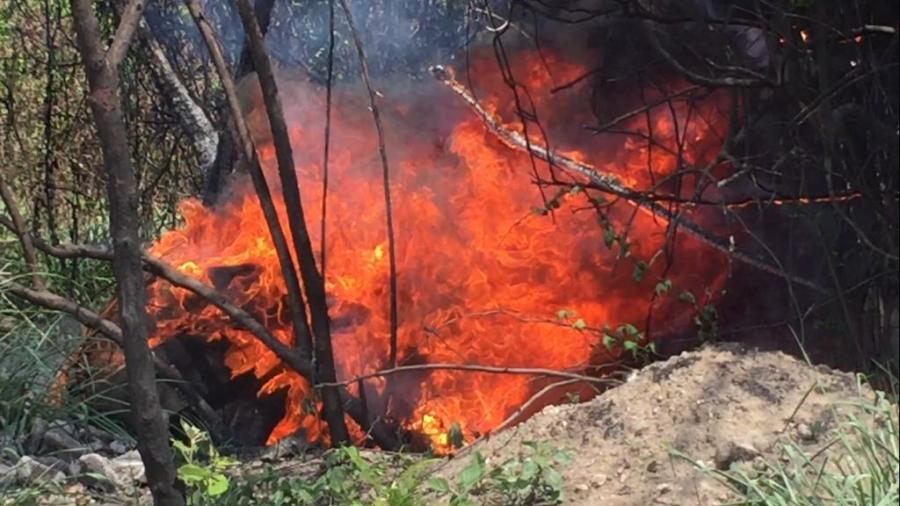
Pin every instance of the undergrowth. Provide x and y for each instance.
(347, 477)
(858, 464)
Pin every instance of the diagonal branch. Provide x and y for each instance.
(18, 228)
(128, 24)
(90, 319)
(295, 294)
(382, 433)
(607, 182)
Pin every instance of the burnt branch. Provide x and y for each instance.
(608, 183)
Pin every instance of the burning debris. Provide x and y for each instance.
(486, 264)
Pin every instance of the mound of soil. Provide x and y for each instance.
(722, 405)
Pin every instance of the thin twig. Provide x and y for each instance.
(382, 151)
(528, 371)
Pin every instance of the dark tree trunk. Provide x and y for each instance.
(147, 416)
(312, 278)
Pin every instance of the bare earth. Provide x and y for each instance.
(721, 405)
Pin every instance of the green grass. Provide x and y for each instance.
(858, 464)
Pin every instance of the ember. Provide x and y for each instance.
(489, 271)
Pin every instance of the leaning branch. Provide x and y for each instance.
(289, 273)
(607, 182)
(290, 189)
(381, 432)
(128, 23)
(113, 332)
(524, 371)
(18, 228)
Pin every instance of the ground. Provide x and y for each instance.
(721, 405)
(641, 443)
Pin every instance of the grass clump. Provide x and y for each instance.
(858, 464)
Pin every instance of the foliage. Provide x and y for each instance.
(203, 470)
(858, 465)
(529, 480)
(347, 478)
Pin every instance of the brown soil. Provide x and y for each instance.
(721, 405)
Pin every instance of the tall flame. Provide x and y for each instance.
(481, 274)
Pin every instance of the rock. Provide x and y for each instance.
(118, 447)
(729, 453)
(663, 488)
(598, 480)
(59, 440)
(581, 487)
(805, 433)
(130, 467)
(30, 471)
(7, 476)
(99, 473)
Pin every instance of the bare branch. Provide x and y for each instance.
(295, 293)
(527, 371)
(386, 183)
(19, 229)
(128, 24)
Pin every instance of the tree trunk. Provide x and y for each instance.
(147, 416)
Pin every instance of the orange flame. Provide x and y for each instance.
(468, 244)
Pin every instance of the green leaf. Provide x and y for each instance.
(192, 473)
(439, 485)
(663, 287)
(609, 342)
(640, 268)
(579, 324)
(629, 330)
(609, 237)
(630, 346)
(564, 314)
(217, 485)
(471, 474)
(455, 435)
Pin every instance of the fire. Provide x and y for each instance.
(482, 276)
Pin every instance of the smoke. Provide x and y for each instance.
(399, 36)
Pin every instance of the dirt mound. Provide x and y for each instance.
(722, 405)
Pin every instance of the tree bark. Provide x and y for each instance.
(102, 73)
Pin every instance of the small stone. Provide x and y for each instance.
(805, 433)
(729, 453)
(118, 447)
(663, 488)
(653, 466)
(581, 487)
(59, 440)
(130, 466)
(30, 471)
(598, 480)
(759, 464)
(97, 472)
